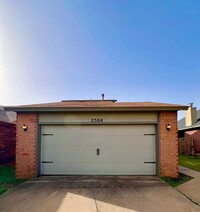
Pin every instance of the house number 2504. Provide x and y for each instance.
(97, 120)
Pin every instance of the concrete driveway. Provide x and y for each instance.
(91, 194)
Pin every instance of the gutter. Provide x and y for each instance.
(189, 128)
(90, 109)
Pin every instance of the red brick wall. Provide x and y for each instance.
(195, 135)
(26, 146)
(7, 142)
(168, 145)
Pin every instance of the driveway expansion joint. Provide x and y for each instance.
(196, 203)
(94, 196)
(190, 188)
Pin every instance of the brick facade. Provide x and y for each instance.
(26, 146)
(168, 145)
(7, 142)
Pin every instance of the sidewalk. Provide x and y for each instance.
(191, 189)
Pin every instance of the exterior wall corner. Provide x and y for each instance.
(168, 144)
(26, 146)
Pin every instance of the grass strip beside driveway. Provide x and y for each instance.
(7, 178)
(192, 162)
(177, 181)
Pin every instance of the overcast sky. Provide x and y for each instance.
(130, 50)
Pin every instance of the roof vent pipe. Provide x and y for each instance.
(102, 96)
(190, 104)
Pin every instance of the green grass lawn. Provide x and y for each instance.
(7, 178)
(177, 181)
(192, 162)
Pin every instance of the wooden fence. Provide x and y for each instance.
(185, 146)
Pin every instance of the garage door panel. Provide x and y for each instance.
(76, 140)
(48, 147)
(147, 147)
(148, 169)
(128, 169)
(73, 169)
(133, 155)
(119, 148)
(69, 169)
(123, 149)
(74, 161)
(149, 142)
(118, 141)
(48, 141)
(48, 154)
(148, 159)
(70, 148)
(76, 154)
(105, 154)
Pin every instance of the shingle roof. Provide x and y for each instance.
(192, 132)
(7, 116)
(182, 126)
(97, 104)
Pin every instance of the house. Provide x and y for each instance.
(189, 127)
(97, 137)
(7, 136)
(7, 116)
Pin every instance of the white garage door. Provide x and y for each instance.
(98, 150)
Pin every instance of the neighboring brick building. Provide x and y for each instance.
(97, 137)
(7, 136)
(194, 135)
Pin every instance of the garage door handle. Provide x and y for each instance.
(98, 151)
(150, 162)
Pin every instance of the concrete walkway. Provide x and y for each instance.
(191, 189)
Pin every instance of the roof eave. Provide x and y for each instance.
(87, 109)
(189, 128)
